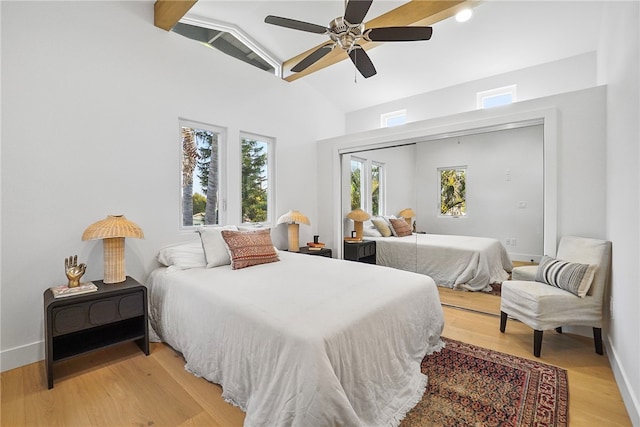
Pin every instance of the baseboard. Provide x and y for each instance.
(524, 257)
(628, 396)
(21, 356)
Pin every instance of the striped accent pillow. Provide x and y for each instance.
(247, 248)
(570, 276)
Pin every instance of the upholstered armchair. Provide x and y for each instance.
(544, 306)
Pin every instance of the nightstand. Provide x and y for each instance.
(326, 252)
(364, 251)
(79, 324)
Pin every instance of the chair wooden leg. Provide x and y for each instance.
(559, 329)
(503, 321)
(597, 338)
(537, 342)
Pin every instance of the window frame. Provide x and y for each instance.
(382, 195)
(482, 97)
(363, 184)
(271, 174)
(222, 176)
(385, 118)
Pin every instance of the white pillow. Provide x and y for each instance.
(184, 255)
(215, 249)
(371, 232)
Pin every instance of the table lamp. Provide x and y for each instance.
(358, 216)
(293, 218)
(113, 230)
(407, 214)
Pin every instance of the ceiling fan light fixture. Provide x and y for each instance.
(464, 15)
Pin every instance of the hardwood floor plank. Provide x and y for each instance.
(122, 387)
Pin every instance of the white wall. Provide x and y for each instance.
(91, 95)
(567, 75)
(618, 67)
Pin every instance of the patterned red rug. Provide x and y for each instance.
(474, 386)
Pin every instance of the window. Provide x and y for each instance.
(453, 182)
(377, 180)
(496, 97)
(228, 39)
(367, 185)
(201, 178)
(257, 178)
(393, 118)
(357, 183)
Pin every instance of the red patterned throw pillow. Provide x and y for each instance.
(401, 227)
(247, 248)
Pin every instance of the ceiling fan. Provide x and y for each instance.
(345, 33)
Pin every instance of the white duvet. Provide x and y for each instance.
(306, 341)
(470, 263)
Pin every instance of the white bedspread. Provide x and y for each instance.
(306, 341)
(464, 262)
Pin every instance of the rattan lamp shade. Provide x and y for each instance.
(358, 216)
(113, 230)
(407, 214)
(294, 218)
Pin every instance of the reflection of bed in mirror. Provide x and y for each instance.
(458, 262)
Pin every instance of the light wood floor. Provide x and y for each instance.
(122, 387)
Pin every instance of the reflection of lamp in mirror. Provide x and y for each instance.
(358, 216)
(293, 218)
(113, 230)
(407, 214)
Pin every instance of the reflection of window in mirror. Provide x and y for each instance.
(201, 179)
(257, 178)
(453, 183)
(377, 179)
(357, 183)
(367, 185)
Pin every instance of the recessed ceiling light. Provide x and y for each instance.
(464, 15)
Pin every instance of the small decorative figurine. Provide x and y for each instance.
(73, 270)
(414, 226)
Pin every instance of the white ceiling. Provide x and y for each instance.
(502, 36)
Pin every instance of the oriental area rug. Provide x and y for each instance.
(474, 386)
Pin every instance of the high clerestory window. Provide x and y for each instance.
(228, 39)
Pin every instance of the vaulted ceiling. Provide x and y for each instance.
(502, 36)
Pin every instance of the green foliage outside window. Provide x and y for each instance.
(254, 181)
(453, 192)
(375, 189)
(199, 160)
(356, 184)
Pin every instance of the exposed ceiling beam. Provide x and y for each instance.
(167, 13)
(415, 12)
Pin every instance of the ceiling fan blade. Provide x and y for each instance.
(362, 62)
(398, 34)
(296, 25)
(312, 58)
(356, 10)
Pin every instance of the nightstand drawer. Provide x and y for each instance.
(75, 317)
(364, 251)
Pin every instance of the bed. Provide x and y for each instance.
(305, 341)
(458, 262)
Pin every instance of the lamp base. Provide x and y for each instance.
(294, 241)
(114, 260)
(359, 228)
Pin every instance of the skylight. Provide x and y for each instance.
(230, 40)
